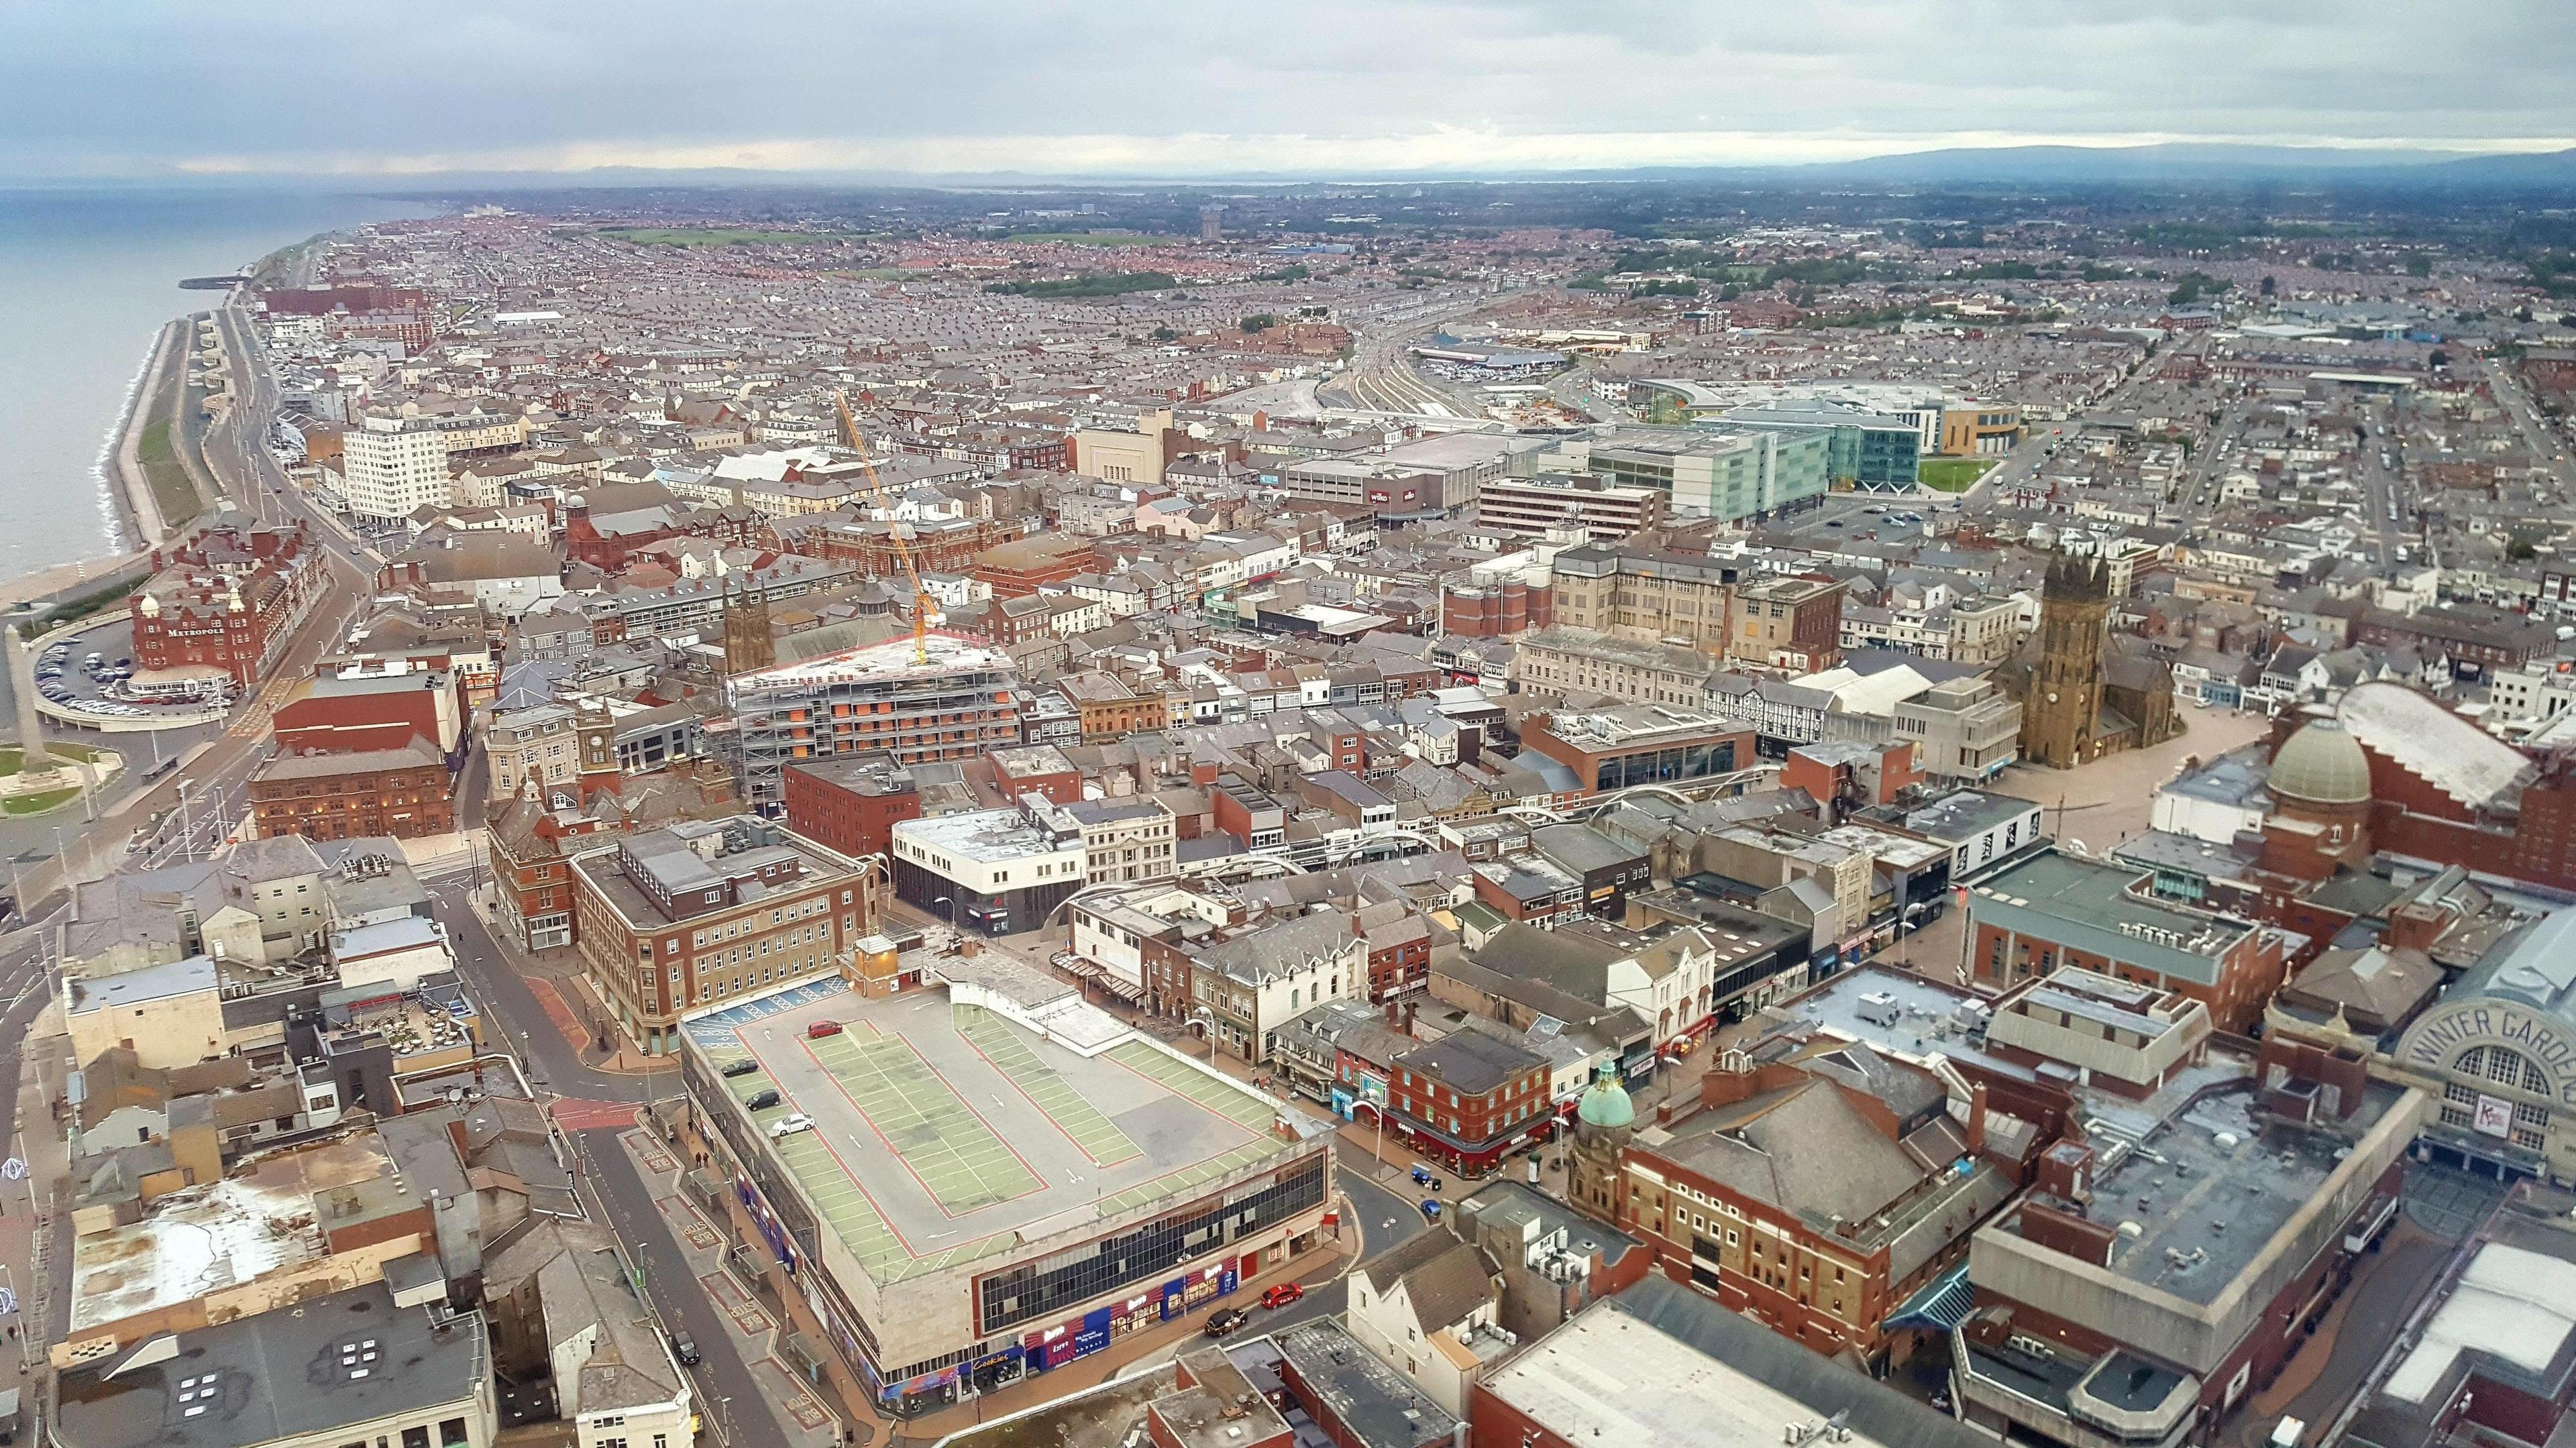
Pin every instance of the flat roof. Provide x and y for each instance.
(990, 835)
(2513, 1302)
(140, 987)
(947, 1132)
(2212, 1188)
(891, 660)
(337, 1361)
(1663, 1366)
(2059, 886)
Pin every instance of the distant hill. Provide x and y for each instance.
(2076, 165)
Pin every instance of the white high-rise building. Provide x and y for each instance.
(392, 466)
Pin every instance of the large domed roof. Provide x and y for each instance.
(2322, 764)
(1606, 1105)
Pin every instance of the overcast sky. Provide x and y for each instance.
(1226, 87)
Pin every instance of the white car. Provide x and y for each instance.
(786, 1126)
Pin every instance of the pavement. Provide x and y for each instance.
(631, 1176)
(2443, 1210)
(2098, 805)
(2113, 799)
(36, 1278)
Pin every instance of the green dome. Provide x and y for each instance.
(2322, 764)
(1606, 1105)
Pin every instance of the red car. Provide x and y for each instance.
(820, 1029)
(1281, 1295)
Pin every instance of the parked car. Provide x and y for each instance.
(820, 1029)
(761, 1100)
(743, 1067)
(1281, 1294)
(1225, 1320)
(685, 1348)
(787, 1126)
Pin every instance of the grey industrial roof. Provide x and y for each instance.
(1663, 1366)
(1381, 1407)
(348, 1358)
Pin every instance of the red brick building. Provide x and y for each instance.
(405, 793)
(2444, 790)
(942, 547)
(1856, 775)
(629, 531)
(227, 599)
(1907, 1191)
(2053, 910)
(850, 804)
(1612, 749)
(1020, 568)
(1494, 610)
(2550, 369)
(1039, 769)
(1468, 1098)
(338, 714)
(532, 866)
(1399, 949)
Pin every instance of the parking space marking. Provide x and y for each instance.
(1094, 1134)
(946, 1144)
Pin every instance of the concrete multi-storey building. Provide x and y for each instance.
(992, 871)
(1964, 731)
(391, 467)
(1702, 472)
(1540, 507)
(1136, 455)
(1644, 593)
(709, 910)
(2140, 1289)
(1561, 661)
(1786, 623)
(963, 699)
(1070, 1256)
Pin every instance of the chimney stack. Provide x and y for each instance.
(1977, 1119)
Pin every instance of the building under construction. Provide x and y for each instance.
(942, 697)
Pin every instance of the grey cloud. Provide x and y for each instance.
(140, 88)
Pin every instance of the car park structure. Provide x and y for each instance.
(1000, 1178)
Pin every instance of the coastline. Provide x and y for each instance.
(139, 520)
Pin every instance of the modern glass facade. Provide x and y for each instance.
(1666, 766)
(1052, 1286)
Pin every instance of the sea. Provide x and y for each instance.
(87, 280)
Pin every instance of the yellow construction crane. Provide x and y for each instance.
(894, 530)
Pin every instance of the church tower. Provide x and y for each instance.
(748, 644)
(2064, 705)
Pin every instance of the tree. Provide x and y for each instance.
(2440, 359)
(2269, 286)
(2419, 266)
(1260, 322)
